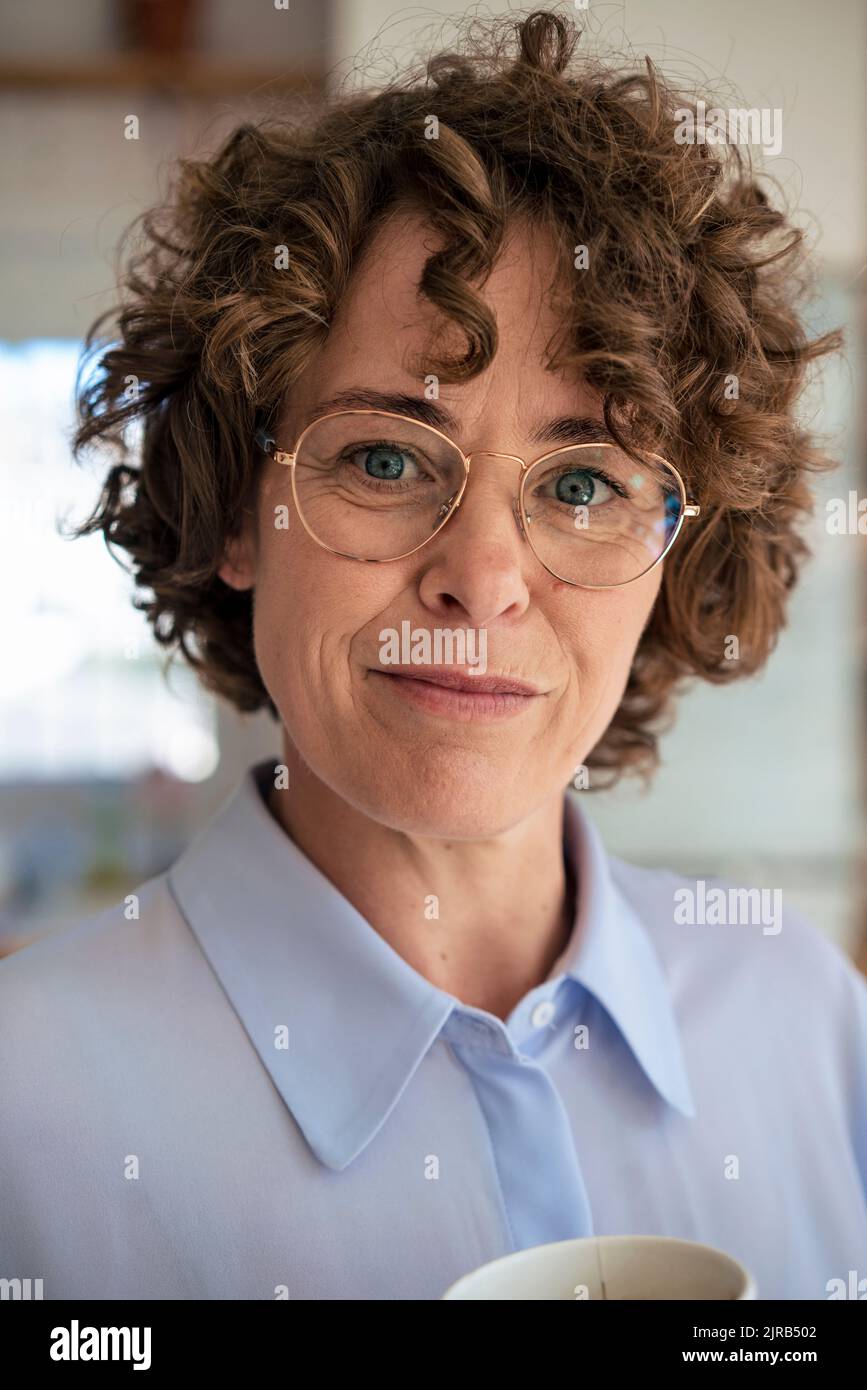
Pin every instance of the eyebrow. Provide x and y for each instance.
(564, 429)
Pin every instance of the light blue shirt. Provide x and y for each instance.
(245, 1092)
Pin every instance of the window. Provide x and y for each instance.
(83, 694)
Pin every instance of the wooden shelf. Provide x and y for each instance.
(175, 74)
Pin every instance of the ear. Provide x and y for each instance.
(238, 568)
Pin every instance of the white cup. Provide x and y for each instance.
(612, 1268)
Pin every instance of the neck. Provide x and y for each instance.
(484, 920)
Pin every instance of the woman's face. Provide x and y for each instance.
(393, 749)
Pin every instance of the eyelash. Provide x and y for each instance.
(369, 447)
(597, 473)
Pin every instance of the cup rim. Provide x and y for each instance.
(529, 1253)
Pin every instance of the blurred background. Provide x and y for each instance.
(106, 765)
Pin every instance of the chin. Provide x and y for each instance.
(453, 798)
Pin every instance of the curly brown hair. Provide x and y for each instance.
(693, 279)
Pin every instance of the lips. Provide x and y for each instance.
(450, 679)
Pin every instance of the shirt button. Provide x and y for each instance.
(542, 1014)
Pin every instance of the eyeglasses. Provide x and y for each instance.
(375, 486)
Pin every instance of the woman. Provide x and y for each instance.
(469, 434)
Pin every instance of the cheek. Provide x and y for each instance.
(313, 614)
(599, 635)
(299, 625)
(296, 606)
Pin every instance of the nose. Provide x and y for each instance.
(514, 458)
(475, 568)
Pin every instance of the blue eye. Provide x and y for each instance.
(580, 486)
(385, 462)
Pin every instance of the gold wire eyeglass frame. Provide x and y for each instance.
(268, 445)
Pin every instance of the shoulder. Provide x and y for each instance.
(143, 915)
(750, 946)
(86, 979)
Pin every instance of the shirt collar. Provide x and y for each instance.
(610, 953)
(291, 953)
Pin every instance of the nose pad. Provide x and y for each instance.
(519, 521)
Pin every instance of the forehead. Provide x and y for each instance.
(384, 326)
(388, 276)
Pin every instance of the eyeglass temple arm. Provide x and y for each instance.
(268, 444)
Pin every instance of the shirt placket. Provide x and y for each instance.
(537, 1166)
